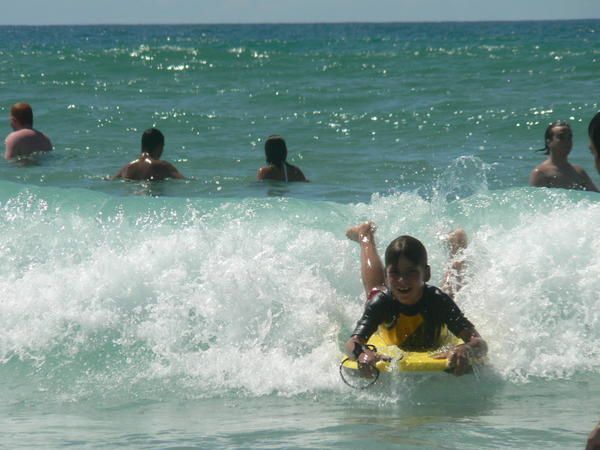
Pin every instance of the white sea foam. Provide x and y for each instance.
(257, 296)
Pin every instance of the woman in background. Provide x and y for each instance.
(278, 169)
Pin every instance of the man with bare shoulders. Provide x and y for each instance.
(557, 171)
(149, 166)
(24, 140)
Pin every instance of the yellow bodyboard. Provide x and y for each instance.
(403, 361)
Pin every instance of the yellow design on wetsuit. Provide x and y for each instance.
(401, 329)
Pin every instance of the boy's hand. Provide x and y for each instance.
(367, 360)
(459, 359)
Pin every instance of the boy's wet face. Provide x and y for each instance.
(406, 280)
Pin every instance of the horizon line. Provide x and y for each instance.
(358, 22)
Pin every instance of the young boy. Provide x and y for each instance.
(406, 310)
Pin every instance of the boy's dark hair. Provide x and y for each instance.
(23, 113)
(275, 150)
(549, 134)
(406, 247)
(152, 141)
(594, 131)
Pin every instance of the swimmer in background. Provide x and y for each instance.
(24, 140)
(411, 312)
(594, 135)
(149, 166)
(278, 169)
(593, 442)
(557, 171)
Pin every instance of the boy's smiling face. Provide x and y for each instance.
(406, 280)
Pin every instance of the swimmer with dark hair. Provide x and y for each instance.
(557, 171)
(149, 166)
(594, 135)
(278, 169)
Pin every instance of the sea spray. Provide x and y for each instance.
(258, 296)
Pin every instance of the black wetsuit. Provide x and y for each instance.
(412, 327)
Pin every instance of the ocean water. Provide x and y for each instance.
(211, 312)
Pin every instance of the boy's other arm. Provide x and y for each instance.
(474, 346)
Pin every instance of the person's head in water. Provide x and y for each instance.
(558, 132)
(406, 269)
(275, 150)
(153, 142)
(21, 116)
(594, 135)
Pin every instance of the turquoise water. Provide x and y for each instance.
(210, 312)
